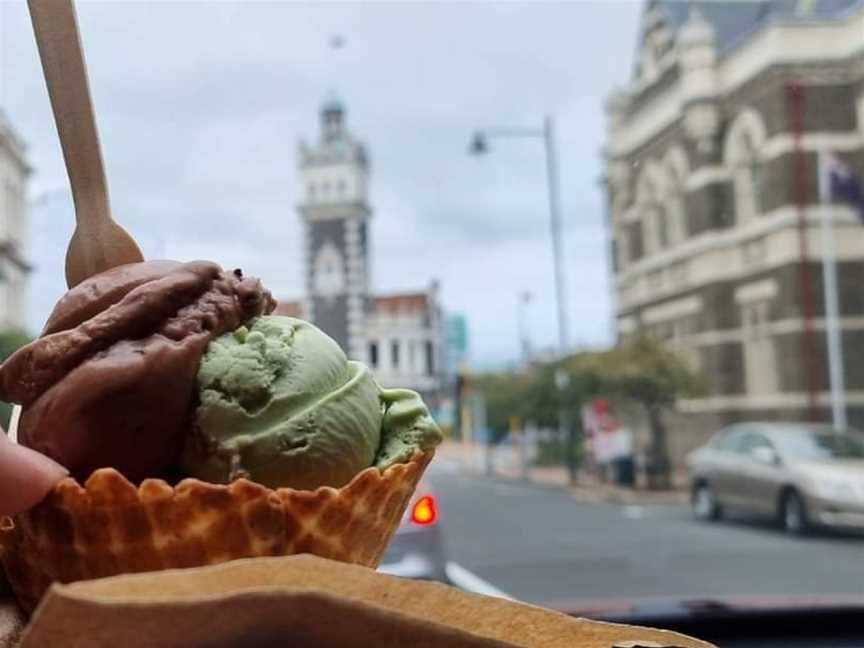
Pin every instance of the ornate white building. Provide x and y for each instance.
(401, 336)
(713, 204)
(14, 268)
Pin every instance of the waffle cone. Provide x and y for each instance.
(110, 527)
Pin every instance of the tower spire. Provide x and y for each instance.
(332, 117)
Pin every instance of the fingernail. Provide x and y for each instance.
(46, 462)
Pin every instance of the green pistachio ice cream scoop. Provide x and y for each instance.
(281, 404)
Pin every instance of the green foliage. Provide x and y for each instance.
(640, 371)
(554, 453)
(645, 371)
(10, 341)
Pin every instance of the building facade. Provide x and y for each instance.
(405, 342)
(400, 336)
(14, 268)
(713, 205)
(333, 190)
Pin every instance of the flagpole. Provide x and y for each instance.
(832, 318)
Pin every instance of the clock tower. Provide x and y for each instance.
(334, 208)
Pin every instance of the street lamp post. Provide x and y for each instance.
(524, 299)
(480, 146)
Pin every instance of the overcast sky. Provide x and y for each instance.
(200, 106)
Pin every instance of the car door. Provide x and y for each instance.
(759, 477)
(724, 462)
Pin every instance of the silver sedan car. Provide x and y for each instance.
(806, 475)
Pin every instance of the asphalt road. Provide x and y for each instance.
(538, 544)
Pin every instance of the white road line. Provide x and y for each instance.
(634, 512)
(471, 582)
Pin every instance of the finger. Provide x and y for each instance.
(26, 476)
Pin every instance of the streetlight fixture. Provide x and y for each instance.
(479, 145)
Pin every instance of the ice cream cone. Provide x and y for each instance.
(110, 527)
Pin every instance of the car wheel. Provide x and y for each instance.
(793, 514)
(705, 505)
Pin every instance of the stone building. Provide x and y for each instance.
(14, 267)
(711, 179)
(401, 336)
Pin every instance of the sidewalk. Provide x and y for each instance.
(506, 465)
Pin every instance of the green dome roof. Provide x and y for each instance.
(332, 102)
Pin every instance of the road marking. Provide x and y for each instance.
(471, 582)
(634, 512)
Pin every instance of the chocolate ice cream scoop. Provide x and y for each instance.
(112, 379)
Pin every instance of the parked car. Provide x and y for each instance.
(806, 475)
(417, 550)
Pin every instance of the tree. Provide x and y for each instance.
(643, 370)
(10, 341)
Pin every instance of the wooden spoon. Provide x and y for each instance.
(98, 242)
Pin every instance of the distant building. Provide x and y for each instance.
(401, 336)
(707, 173)
(14, 267)
(404, 335)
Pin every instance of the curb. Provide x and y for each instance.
(601, 494)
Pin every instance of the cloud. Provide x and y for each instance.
(200, 106)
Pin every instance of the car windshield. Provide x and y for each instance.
(822, 445)
(592, 236)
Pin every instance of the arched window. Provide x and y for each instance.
(747, 180)
(675, 176)
(742, 155)
(654, 230)
(661, 225)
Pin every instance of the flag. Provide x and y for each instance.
(843, 186)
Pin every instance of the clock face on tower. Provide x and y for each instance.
(329, 271)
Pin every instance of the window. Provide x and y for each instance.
(648, 208)
(310, 189)
(394, 354)
(760, 364)
(676, 169)
(662, 228)
(373, 354)
(755, 317)
(746, 138)
(752, 441)
(755, 173)
(728, 441)
(340, 188)
(675, 215)
(634, 242)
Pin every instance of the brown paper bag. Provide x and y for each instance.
(11, 623)
(11, 618)
(306, 601)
